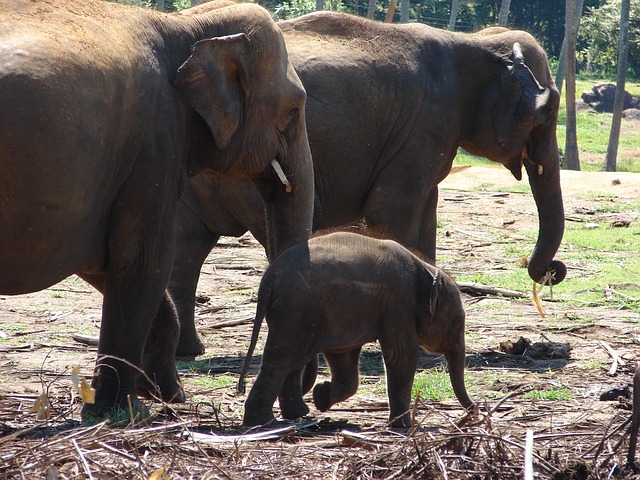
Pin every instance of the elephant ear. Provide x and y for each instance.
(521, 97)
(214, 79)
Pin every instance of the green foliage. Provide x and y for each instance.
(599, 33)
(169, 5)
(551, 394)
(433, 385)
(294, 8)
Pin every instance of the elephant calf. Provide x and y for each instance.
(335, 293)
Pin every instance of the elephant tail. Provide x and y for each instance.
(264, 295)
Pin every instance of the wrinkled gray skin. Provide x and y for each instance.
(332, 295)
(105, 110)
(388, 106)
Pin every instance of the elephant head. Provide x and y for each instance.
(516, 125)
(253, 126)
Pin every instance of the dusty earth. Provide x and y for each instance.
(482, 209)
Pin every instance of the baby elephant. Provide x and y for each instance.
(332, 295)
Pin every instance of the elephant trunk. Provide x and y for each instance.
(455, 361)
(543, 170)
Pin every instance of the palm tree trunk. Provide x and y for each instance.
(372, 9)
(391, 11)
(618, 102)
(561, 69)
(504, 13)
(571, 156)
(454, 14)
(404, 10)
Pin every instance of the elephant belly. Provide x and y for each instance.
(39, 254)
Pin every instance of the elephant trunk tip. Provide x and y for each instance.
(553, 275)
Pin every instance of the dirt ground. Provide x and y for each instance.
(577, 437)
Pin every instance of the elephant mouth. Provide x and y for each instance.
(517, 162)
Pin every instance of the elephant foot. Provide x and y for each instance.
(165, 386)
(189, 346)
(402, 421)
(253, 419)
(292, 409)
(322, 396)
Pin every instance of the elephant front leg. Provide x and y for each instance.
(124, 330)
(194, 241)
(160, 377)
(400, 373)
(344, 379)
(416, 229)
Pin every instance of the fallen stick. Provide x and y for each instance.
(479, 289)
(616, 360)
(528, 455)
(635, 418)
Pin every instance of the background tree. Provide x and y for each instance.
(454, 14)
(372, 9)
(503, 20)
(618, 103)
(571, 157)
(599, 37)
(560, 72)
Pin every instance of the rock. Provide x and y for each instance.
(631, 114)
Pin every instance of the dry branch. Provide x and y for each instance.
(478, 289)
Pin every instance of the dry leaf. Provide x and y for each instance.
(160, 474)
(41, 407)
(86, 392)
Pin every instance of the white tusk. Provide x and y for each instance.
(281, 175)
(540, 169)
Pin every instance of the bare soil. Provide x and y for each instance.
(577, 437)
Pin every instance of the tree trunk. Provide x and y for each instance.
(319, 5)
(571, 157)
(454, 14)
(561, 69)
(618, 102)
(391, 11)
(372, 9)
(504, 13)
(160, 5)
(404, 10)
(355, 7)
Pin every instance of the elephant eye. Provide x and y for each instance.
(291, 118)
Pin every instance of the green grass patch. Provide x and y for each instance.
(606, 265)
(433, 384)
(593, 132)
(465, 159)
(212, 382)
(555, 394)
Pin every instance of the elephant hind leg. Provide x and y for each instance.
(344, 379)
(280, 375)
(292, 405)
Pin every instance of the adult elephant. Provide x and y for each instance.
(105, 110)
(387, 108)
